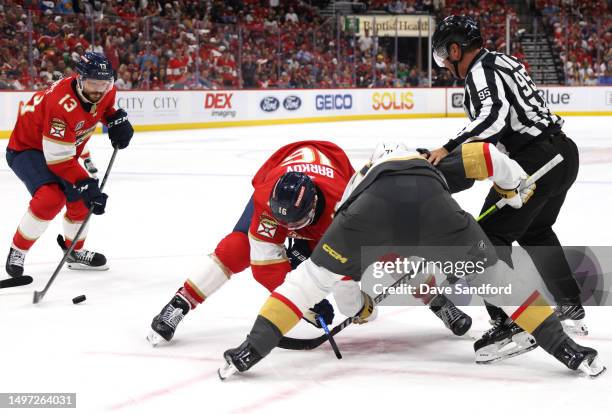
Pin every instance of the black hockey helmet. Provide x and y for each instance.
(462, 30)
(293, 200)
(94, 65)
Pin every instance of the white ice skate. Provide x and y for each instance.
(575, 327)
(592, 368)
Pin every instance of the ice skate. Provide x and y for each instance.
(579, 358)
(164, 325)
(452, 317)
(238, 359)
(504, 340)
(83, 259)
(15, 262)
(572, 316)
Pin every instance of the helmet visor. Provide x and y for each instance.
(440, 55)
(96, 85)
(305, 221)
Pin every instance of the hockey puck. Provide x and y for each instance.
(78, 299)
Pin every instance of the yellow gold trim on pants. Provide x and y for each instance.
(279, 314)
(534, 315)
(474, 160)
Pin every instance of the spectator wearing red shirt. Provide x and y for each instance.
(177, 66)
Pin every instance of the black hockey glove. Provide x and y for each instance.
(298, 252)
(323, 309)
(92, 196)
(424, 151)
(120, 130)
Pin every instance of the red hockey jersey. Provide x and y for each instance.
(329, 168)
(57, 123)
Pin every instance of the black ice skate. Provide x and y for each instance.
(164, 325)
(83, 259)
(571, 314)
(14, 262)
(238, 360)
(504, 340)
(454, 319)
(577, 357)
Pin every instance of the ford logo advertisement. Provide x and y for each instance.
(292, 103)
(269, 104)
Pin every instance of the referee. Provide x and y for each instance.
(506, 109)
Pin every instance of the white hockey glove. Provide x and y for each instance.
(368, 312)
(517, 196)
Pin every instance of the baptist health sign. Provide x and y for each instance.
(402, 25)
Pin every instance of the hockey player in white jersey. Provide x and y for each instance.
(373, 212)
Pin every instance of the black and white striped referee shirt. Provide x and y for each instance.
(503, 104)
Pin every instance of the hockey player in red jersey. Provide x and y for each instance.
(295, 193)
(50, 135)
(402, 200)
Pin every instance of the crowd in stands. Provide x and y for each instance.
(582, 35)
(224, 44)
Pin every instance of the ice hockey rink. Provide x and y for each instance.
(172, 196)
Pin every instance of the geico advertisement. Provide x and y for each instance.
(334, 101)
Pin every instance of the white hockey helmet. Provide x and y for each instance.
(385, 148)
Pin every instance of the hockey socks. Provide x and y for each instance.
(46, 202)
(209, 275)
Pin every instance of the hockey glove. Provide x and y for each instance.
(517, 196)
(368, 311)
(120, 130)
(298, 252)
(323, 309)
(424, 152)
(92, 196)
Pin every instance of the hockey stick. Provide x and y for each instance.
(15, 281)
(39, 295)
(331, 339)
(307, 344)
(532, 179)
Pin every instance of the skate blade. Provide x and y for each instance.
(226, 371)
(520, 344)
(79, 266)
(592, 369)
(575, 327)
(154, 338)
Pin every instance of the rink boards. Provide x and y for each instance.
(167, 110)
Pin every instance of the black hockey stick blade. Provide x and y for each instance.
(301, 344)
(16, 281)
(331, 339)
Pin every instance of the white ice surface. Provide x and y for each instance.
(173, 195)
